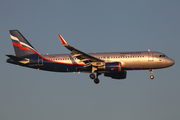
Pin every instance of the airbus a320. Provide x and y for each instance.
(114, 64)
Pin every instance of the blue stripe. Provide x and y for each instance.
(15, 41)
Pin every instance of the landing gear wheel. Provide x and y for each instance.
(92, 76)
(152, 77)
(96, 80)
(151, 72)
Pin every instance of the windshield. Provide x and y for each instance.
(162, 56)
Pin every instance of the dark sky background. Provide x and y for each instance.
(90, 26)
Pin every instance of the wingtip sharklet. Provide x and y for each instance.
(62, 40)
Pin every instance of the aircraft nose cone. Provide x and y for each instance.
(171, 62)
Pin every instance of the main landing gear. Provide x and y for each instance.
(151, 72)
(96, 80)
(92, 76)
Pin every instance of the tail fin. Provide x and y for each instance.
(21, 46)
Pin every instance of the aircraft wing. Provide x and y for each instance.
(84, 57)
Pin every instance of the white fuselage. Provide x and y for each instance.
(129, 60)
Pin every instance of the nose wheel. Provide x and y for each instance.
(152, 77)
(151, 72)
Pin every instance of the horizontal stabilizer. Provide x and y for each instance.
(15, 58)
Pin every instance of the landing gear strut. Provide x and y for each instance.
(92, 76)
(96, 80)
(151, 72)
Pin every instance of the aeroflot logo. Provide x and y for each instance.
(16, 40)
(131, 53)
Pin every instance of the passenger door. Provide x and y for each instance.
(40, 61)
(150, 57)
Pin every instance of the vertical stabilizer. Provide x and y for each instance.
(21, 46)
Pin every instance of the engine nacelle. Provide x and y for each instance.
(113, 67)
(119, 75)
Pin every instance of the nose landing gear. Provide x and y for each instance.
(151, 72)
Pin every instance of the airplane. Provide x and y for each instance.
(111, 64)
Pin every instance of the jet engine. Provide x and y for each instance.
(118, 75)
(111, 67)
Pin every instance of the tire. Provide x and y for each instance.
(96, 81)
(92, 76)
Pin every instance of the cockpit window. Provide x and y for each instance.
(162, 56)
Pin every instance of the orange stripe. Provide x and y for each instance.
(63, 42)
(119, 65)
